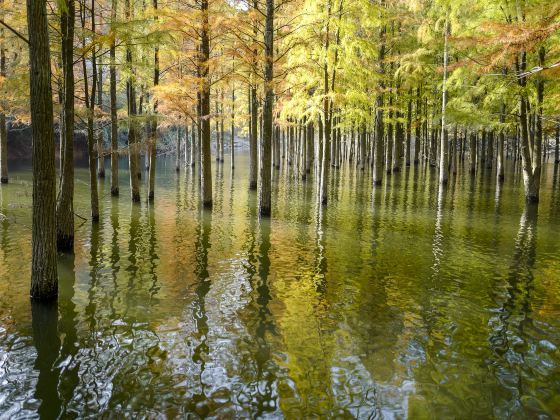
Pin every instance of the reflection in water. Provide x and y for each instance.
(47, 342)
(510, 338)
(68, 330)
(197, 401)
(394, 301)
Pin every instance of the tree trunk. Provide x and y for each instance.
(178, 151)
(132, 129)
(266, 187)
(379, 123)
(3, 131)
(44, 279)
(408, 130)
(206, 170)
(90, 105)
(557, 145)
(65, 200)
(472, 154)
(444, 148)
(501, 139)
(154, 127)
(114, 122)
(100, 148)
(232, 138)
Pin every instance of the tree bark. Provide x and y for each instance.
(379, 123)
(253, 134)
(206, 170)
(154, 126)
(266, 170)
(444, 148)
(65, 200)
(232, 138)
(100, 148)
(44, 279)
(3, 131)
(90, 105)
(132, 129)
(114, 122)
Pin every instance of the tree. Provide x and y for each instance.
(44, 279)
(266, 157)
(65, 201)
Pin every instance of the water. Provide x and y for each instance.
(401, 302)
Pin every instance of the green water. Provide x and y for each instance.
(403, 301)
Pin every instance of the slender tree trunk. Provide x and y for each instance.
(253, 134)
(557, 145)
(531, 150)
(206, 170)
(232, 138)
(3, 131)
(379, 123)
(501, 139)
(100, 148)
(418, 130)
(266, 170)
(178, 150)
(222, 131)
(154, 126)
(409, 130)
(65, 200)
(90, 104)
(472, 154)
(193, 145)
(44, 278)
(444, 154)
(114, 122)
(132, 124)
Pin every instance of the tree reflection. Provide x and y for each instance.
(200, 317)
(69, 377)
(508, 338)
(47, 342)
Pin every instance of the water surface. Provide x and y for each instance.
(403, 301)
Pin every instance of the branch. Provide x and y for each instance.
(16, 33)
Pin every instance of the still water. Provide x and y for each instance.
(403, 301)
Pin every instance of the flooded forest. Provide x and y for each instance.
(280, 209)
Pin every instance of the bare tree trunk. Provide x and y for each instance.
(114, 122)
(100, 147)
(472, 154)
(379, 123)
(3, 131)
(178, 150)
(152, 145)
(253, 134)
(65, 200)
(232, 139)
(132, 129)
(266, 170)
(557, 145)
(90, 104)
(206, 170)
(408, 130)
(44, 278)
(444, 148)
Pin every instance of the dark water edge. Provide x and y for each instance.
(400, 301)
